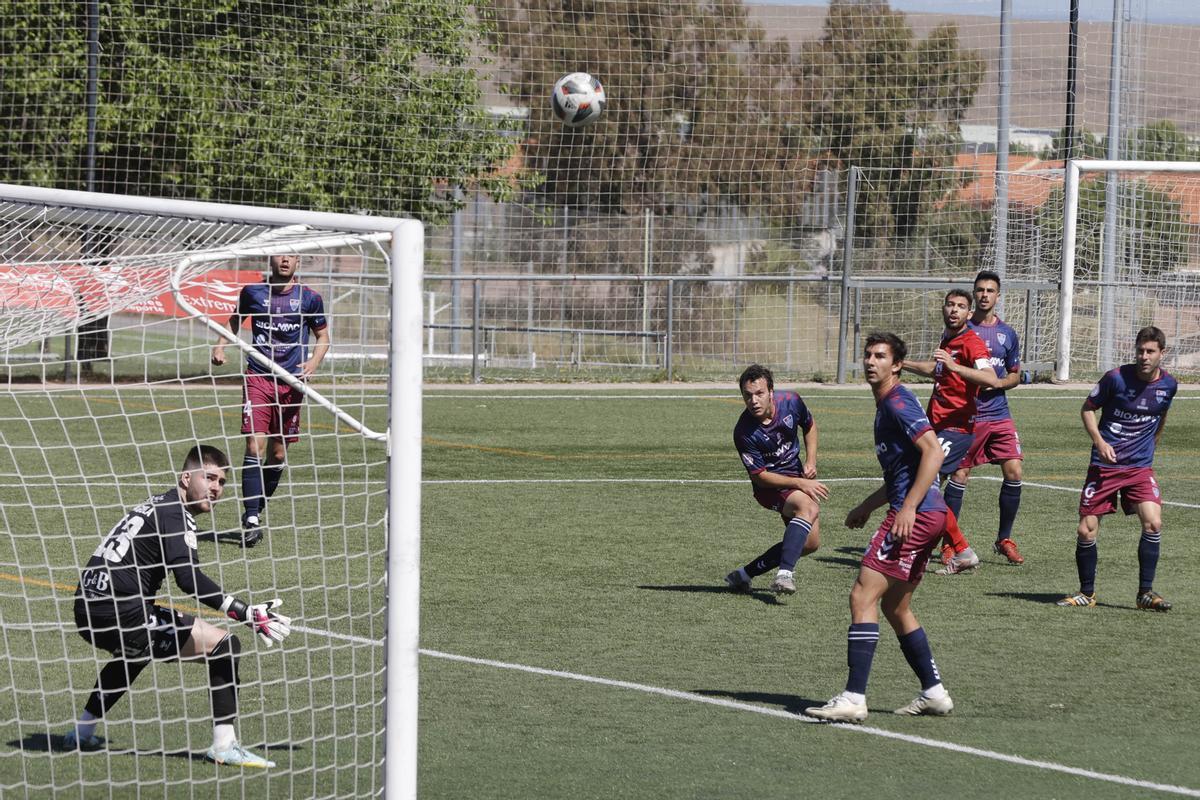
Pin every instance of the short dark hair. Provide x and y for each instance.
(987, 275)
(1151, 334)
(205, 455)
(963, 293)
(895, 344)
(753, 373)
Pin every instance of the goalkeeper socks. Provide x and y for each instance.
(223, 678)
(272, 473)
(114, 681)
(252, 484)
(1085, 561)
(1010, 501)
(1148, 547)
(953, 492)
(794, 536)
(915, 646)
(224, 736)
(86, 726)
(766, 562)
(860, 652)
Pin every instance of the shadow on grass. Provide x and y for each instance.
(760, 595)
(1049, 598)
(788, 702)
(841, 562)
(53, 743)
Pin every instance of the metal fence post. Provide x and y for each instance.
(476, 310)
(847, 264)
(667, 354)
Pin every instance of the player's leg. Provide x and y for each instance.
(221, 651)
(273, 467)
(1085, 562)
(1150, 515)
(285, 432)
(933, 699)
(861, 640)
(129, 642)
(1010, 503)
(800, 513)
(957, 553)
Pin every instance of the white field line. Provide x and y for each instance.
(677, 694)
(666, 481)
(775, 712)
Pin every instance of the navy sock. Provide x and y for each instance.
(272, 473)
(915, 646)
(860, 651)
(1010, 502)
(1148, 559)
(794, 536)
(766, 562)
(953, 494)
(252, 484)
(1085, 561)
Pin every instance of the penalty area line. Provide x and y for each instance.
(922, 741)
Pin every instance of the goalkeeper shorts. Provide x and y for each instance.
(135, 635)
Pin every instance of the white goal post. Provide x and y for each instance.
(155, 248)
(1129, 288)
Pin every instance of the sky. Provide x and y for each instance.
(1162, 11)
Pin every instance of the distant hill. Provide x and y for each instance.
(1165, 66)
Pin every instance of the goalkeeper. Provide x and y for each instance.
(115, 608)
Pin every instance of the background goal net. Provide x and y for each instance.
(136, 286)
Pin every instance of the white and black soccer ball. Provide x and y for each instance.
(578, 99)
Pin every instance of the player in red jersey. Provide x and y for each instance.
(959, 367)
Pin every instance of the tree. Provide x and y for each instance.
(697, 101)
(878, 99)
(340, 105)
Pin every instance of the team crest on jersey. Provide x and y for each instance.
(787, 421)
(1160, 393)
(294, 303)
(749, 459)
(1002, 338)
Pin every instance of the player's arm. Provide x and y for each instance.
(1162, 423)
(320, 348)
(270, 625)
(234, 324)
(774, 480)
(978, 375)
(810, 451)
(923, 368)
(927, 471)
(1088, 414)
(1010, 380)
(859, 515)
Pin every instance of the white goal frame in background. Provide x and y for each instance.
(404, 240)
(1071, 180)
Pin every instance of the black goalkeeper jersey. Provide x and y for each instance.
(127, 570)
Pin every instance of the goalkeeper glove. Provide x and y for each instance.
(270, 625)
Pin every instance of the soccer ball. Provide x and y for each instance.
(578, 99)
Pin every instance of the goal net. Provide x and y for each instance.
(1130, 258)
(109, 309)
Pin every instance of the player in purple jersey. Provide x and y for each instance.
(996, 440)
(894, 561)
(1133, 401)
(115, 608)
(767, 437)
(282, 312)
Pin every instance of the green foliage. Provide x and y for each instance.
(1158, 234)
(343, 105)
(880, 100)
(705, 108)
